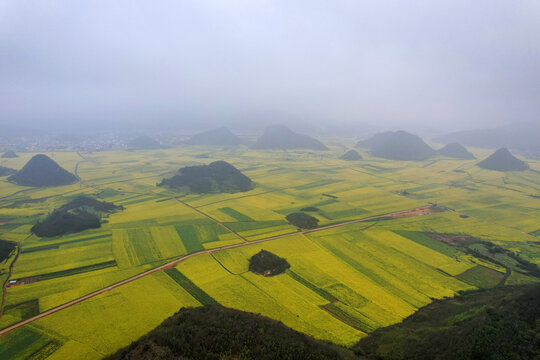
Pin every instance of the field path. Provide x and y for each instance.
(404, 213)
(213, 219)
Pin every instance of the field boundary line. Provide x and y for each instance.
(184, 258)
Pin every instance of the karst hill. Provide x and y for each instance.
(281, 137)
(503, 160)
(221, 137)
(42, 171)
(397, 145)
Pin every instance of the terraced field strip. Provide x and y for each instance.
(213, 219)
(173, 263)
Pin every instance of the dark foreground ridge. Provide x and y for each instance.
(503, 160)
(267, 264)
(219, 176)
(143, 142)
(42, 171)
(457, 151)
(221, 136)
(281, 137)
(351, 155)
(215, 332)
(398, 145)
(501, 323)
(79, 214)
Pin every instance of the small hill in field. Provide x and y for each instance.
(351, 155)
(221, 136)
(398, 145)
(77, 215)
(267, 264)
(4, 171)
(281, 137)
(302, 220)
(503, 160)
(143, 142)
(10, 154)
(500, 323)
(219, 176)
(456, 150)
(41, 171)
(215, 332)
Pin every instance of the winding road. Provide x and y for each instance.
(173, 263)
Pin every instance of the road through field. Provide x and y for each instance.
(412, 212)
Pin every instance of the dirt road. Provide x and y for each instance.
(412, 212)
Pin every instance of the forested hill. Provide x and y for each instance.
(503, 160)
(143, 142)
(397, 145)
(215, 332)
(41, 171)
(456, 150)
(219, 176)
(221, 136)
(501, 323)
(281, 137)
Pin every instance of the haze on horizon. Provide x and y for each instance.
(440, 64)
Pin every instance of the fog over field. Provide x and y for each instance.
(428, 65)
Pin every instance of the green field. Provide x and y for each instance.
(344, 281)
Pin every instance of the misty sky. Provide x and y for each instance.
(454, 64)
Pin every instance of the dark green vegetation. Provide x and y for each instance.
(215, 332)
(351, 155)
(516, 136)
(267, 264)
(501, 323)
(503, 160)
(281, 137)
(41, 171)
(190, 287)
(221, 136)
(28, 344)
(310, 209)
(4, 171)
(143, 142)
(398, 145)
(90, 203)
(219, 176)
(302, 220)
(77, 215)
(10, 154)
(6, 248)
(456, 150)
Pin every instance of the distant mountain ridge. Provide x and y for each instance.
(523, 137)
(42, 171)
(398, 145)
(222, 136)
(456, 150)
(281, 137)
(503, 160)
